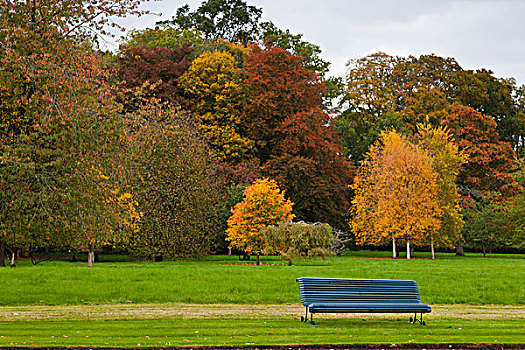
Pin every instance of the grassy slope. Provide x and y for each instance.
(447, 280)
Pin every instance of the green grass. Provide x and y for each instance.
(217, 279)
(257, 331)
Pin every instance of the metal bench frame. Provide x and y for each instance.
(331, 295)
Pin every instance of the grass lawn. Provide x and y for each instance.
(190, 324)
(447, 280)
(221, 301)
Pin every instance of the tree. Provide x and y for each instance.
(167, 38)
(59, 173)
(215, 86)
(491, 161)
(161, 67)
(396, 195)
(174, 183)
(294, 140)
(447, 161)
(422, 89)
(298, 240)
(487, 226)
(232, 20)
(263, 205)
(310, 53)
(233, 195)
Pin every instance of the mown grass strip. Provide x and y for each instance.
(257, 331)
(219, 279)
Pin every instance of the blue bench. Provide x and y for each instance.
(329, 295)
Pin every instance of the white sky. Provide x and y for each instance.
(477, 33)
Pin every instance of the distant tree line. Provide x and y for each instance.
(150, 149)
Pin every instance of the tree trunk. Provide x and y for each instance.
(408, 248)
(329, 259)
(258, 262)
(2, 253)
(394, 253)
(459, 250)
(484, 252)
(432, 248)
(289, 262)
(13, 263)
(74, 257)
(229, 252)
(91, 257)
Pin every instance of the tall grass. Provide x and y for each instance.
(218, 279)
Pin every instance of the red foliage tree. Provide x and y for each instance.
(491, 162)
(279, 88)
(139, 64)
(296, 145)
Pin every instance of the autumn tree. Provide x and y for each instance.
(396, 195)
(294, 140)
(161, 67)
(491, 161)
(55, 162)
(215, 86)
(298, 240)
(447, 161)
(263, 205)
(417, 90)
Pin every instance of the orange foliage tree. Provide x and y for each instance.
(263, 205)
(396, 193)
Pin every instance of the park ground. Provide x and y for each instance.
(221, 301)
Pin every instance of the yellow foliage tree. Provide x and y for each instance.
(447, 162)
(396, 193)
(263, 205)
(214, 85)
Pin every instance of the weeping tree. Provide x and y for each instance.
(298, 240)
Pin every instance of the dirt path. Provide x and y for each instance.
(168, 310)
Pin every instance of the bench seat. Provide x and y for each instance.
(369, 307)
(337, 295)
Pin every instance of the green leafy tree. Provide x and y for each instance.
(232, 20)
(310, 53)
(487, 224)
(174, 184)
(233, 195)
(298, 240)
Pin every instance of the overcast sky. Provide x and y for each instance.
(478, 34)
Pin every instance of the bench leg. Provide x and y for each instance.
(420, 320)
(312, 318)
(305, 317)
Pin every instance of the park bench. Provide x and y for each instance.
(331, 295)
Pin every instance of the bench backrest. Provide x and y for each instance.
(338, 290)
